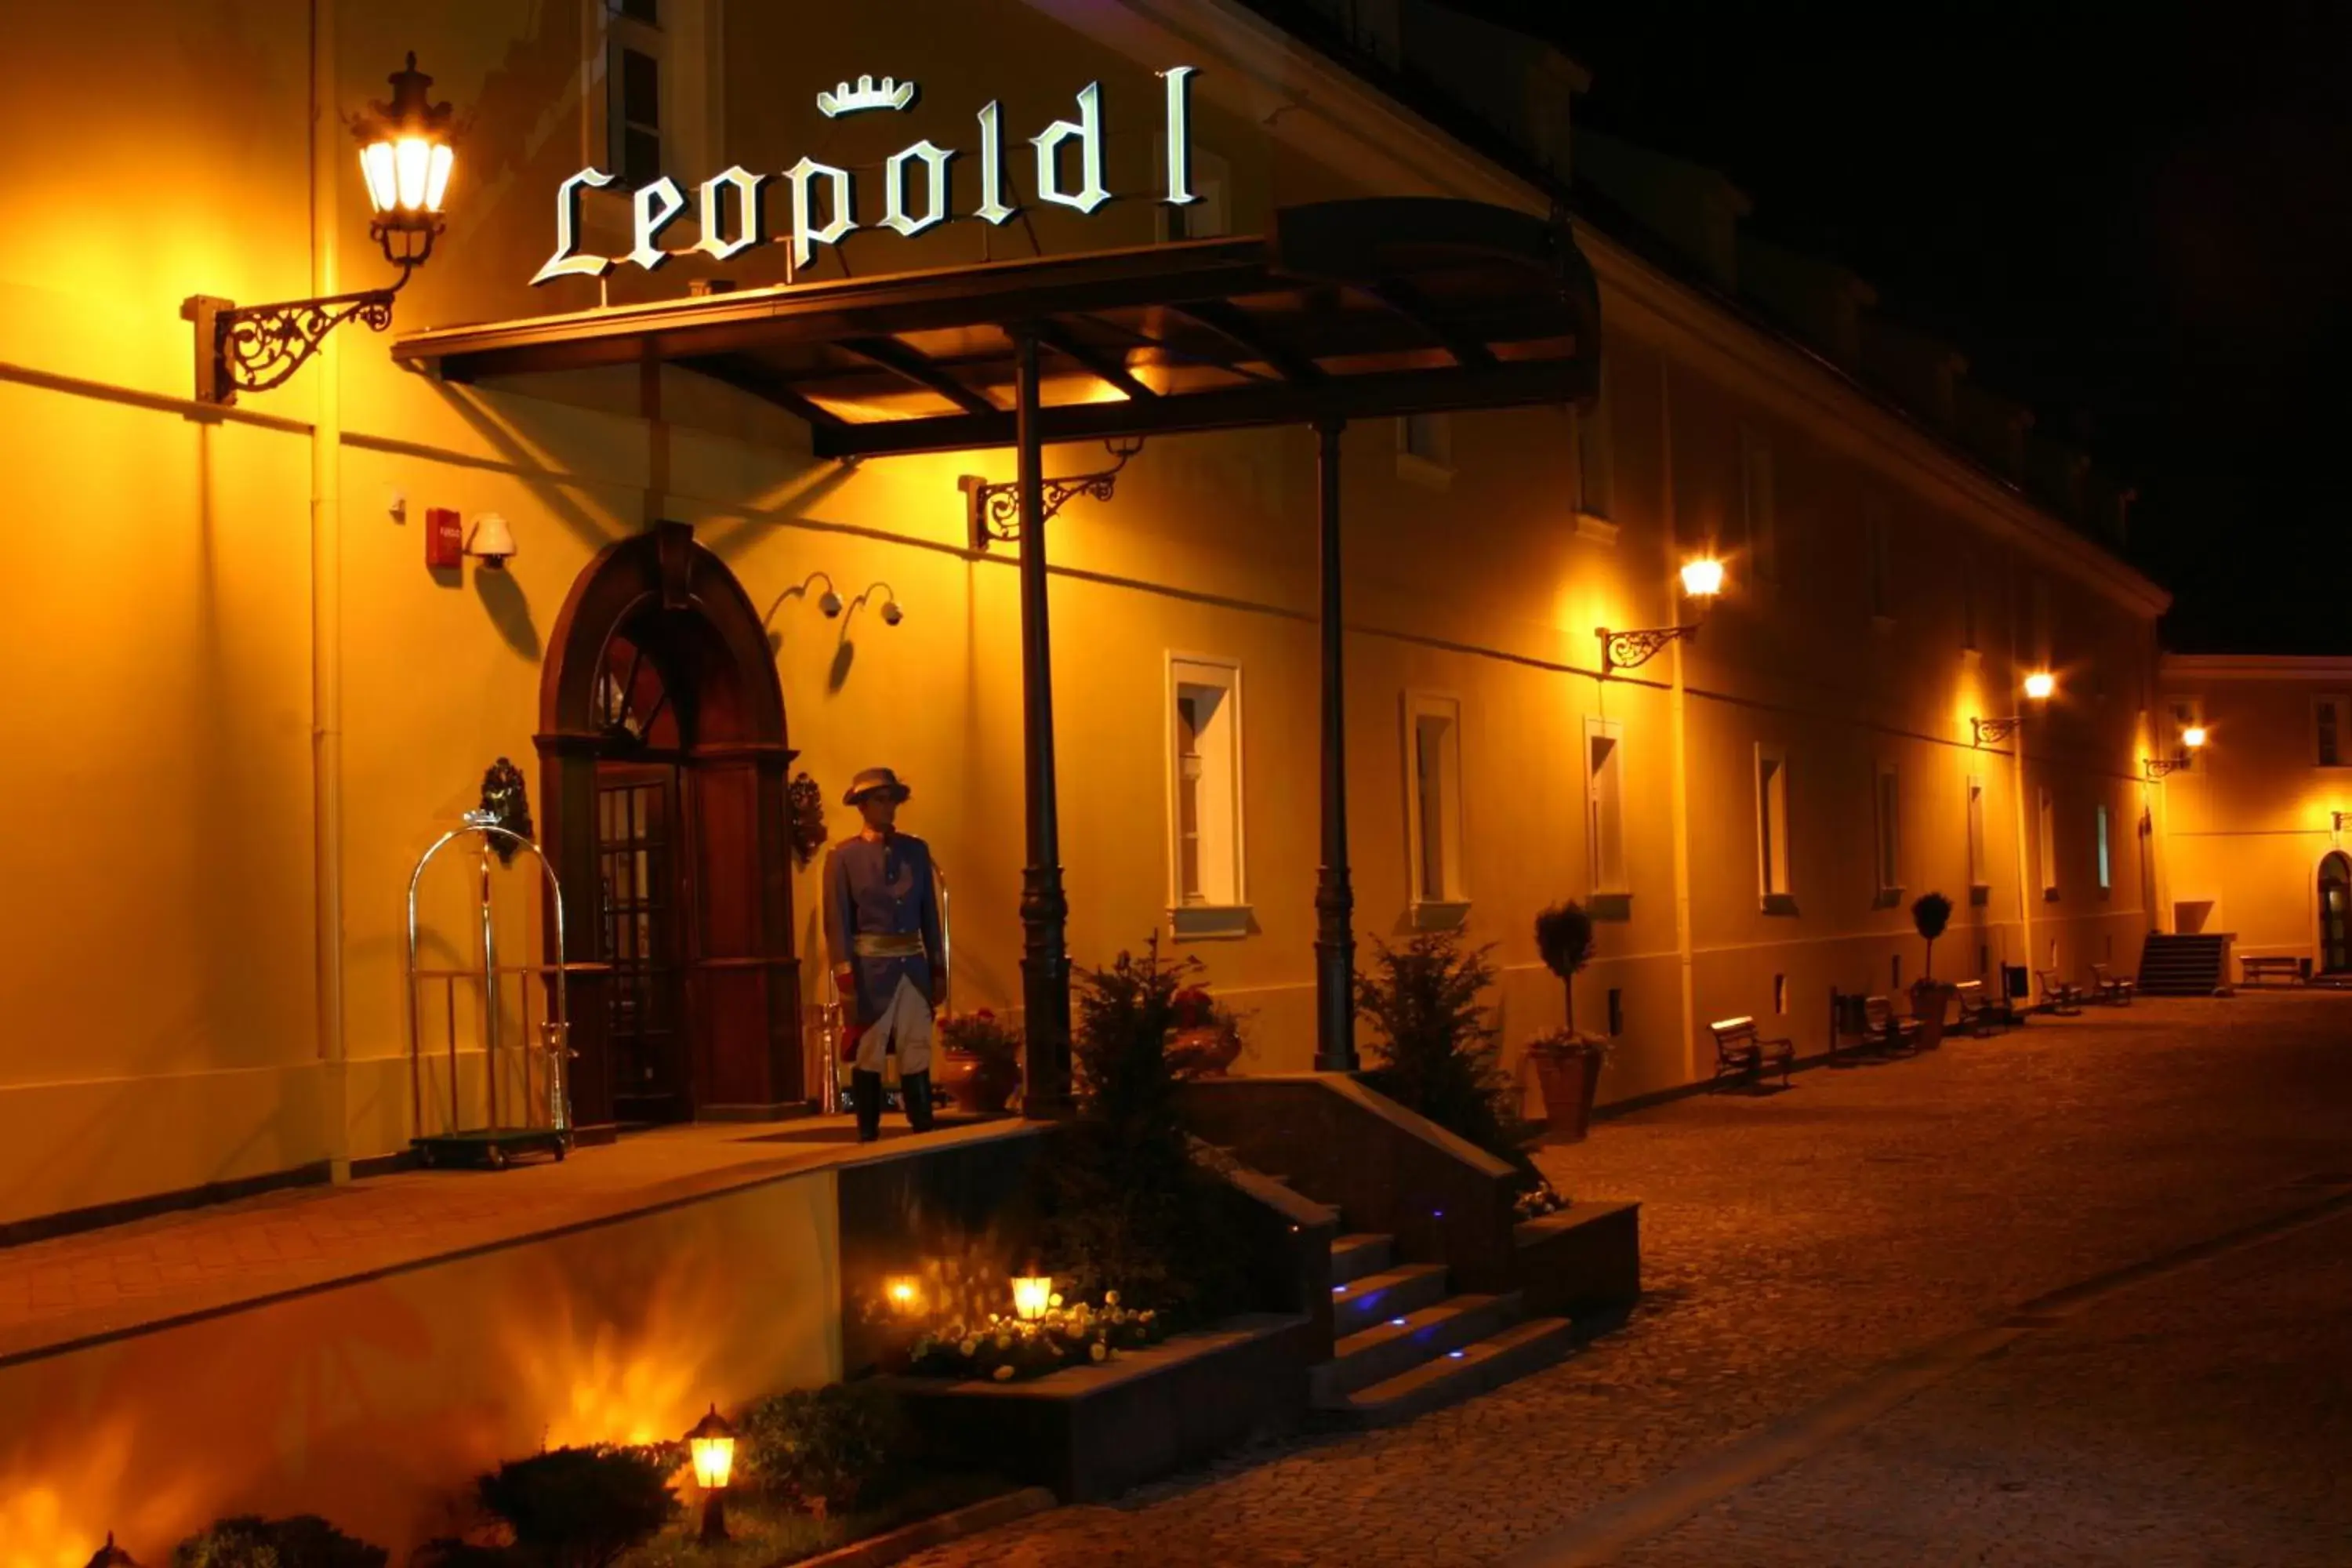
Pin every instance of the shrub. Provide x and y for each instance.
(828, 1450)
(248, 1540)
(1440, 1056)
(1125, 1208)
(982, 1035)
(580, 1508)
(1003, 1349)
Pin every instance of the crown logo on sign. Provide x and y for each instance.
(889, 93)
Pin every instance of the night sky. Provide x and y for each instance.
(2136, 218)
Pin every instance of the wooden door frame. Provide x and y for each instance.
(739, 718)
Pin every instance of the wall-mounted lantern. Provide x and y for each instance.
(406, 159)
(2039, 685)
(2192, 741)
(1702, 578)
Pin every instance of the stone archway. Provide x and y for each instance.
(696, 726)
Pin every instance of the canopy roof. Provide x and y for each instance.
(1348, 310)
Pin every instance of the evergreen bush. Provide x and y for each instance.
(576, 1508)
(829, 1450)
(248, 1541)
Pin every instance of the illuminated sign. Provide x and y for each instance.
(915, 187)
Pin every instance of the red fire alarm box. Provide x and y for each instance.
(445, 539)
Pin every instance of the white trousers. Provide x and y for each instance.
(906, 1021)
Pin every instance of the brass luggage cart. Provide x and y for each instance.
(541, 1120)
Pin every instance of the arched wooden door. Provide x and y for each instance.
(663, 764)
(2335, 913)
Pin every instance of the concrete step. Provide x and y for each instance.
(1365, 1252)
(1459, 1373)
(1399, 1343)
(1390, 1293)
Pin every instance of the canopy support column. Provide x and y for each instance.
(1045, 911)
(1334, 901)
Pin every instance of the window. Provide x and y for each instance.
(1594, 471)
(2049, 840)
(1759, 506)
(2106, 872)
(1888, 801)
(1772, 830)
(2330, 743)
(1206, 799)
(1882, 584)
(2044, 656)
(1433, 820)
(1604, 794)
(1209, 216)
(1425, 448)
(634, 47)
(1979, 879)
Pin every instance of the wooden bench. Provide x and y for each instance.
(1888, 1032)
(2258, 969)
(2110, 989)
(1979, 1013)
(1739, 1052)
(2058, 995)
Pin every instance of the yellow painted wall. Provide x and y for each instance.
(375, 1404)
(173, 1031)
(2247, 825)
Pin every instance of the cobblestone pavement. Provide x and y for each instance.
(1793, 1243)
(2201, 1419)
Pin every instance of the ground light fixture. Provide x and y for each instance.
(405, 160)
(1702, 580)
(2038, 686)
(712, 1444)
(1033, 1296)
(2192, 741)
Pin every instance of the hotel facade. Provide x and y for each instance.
(276, 643)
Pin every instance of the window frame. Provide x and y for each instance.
(1980, 873)
(2046, 840)
(1605, 841)
(1592, 440)
(1207, 918)
(1759, 506)
(1775, 876)
(1878, 561)
(1433, 466)
(2340, 705)
(2103, 827)
(1447, 906)
(1886, 831)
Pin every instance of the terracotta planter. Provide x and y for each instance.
(1204, 1052)
(1570, 1080)
(975, 1085)
(1930, 1000)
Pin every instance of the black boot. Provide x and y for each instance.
(866, 1097)
(915, 1089)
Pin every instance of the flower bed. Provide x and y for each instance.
(1004, 1349)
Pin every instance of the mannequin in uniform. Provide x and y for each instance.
(882, 930)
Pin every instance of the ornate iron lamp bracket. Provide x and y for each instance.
(252, 348)
(1993, 732)
(1626, 650)
(2157, 767)
(994, 510)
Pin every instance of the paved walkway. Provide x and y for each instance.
(1796, 1245)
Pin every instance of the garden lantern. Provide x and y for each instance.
(712, 1446)
(1033, 1296)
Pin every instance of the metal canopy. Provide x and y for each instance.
(1348, 310)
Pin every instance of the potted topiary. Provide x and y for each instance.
(1567, 1061)
(1204, 1038)
(980, 1060)
(1930, 913)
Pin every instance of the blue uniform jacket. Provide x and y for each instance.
(882, 888)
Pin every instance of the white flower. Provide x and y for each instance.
(968, 1348)
(1054, 1300)
(1110, 1298)
(1098, 1352)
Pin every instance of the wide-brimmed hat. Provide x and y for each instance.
(871, 780)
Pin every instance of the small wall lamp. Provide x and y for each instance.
(2192, 740)
(2039, 685)
(890, 613)
(1702, 578)
(406, 159)
(491, 543)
